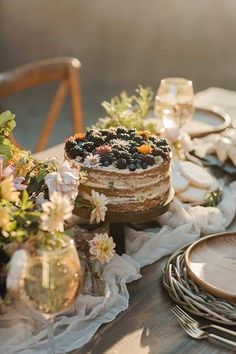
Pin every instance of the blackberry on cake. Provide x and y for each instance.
(70, 143)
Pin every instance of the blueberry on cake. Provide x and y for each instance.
(133, 169)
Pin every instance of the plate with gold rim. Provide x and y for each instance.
(207, 120)
(211, 263)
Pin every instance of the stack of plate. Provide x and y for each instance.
(201, 277)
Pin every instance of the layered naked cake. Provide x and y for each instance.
(133, 169)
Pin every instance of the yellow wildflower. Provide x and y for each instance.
(4, 218)
(8, 190)
(145, 149)
(22, 162)
(144, 133)
(78, 136)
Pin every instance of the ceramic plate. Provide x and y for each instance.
(213, 161)
(207, 121)
(211, 263)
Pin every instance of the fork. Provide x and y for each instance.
(184, 316)
(197, 333)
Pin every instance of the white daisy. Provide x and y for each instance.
(99, 202)
(120, 142)
(55, 212)
(92, 160)
(102, 247)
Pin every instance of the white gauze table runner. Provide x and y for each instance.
(23, 331)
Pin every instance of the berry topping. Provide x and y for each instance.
(149, 160)
(121, 164)
(125, 155)
(157, 152)
(120, 147)
(109, 157)
(137, 156)
(132, 167)
(138, 139)
(70, 143)
(166, 148)
(106, 163)
(110, 136)
(75, 152)
(161, 142)
(124, 136)
(121, 130)
(144, 165)
(89, 146)
(96, 139)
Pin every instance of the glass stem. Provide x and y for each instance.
(51, 343)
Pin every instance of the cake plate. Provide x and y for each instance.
(117, 220)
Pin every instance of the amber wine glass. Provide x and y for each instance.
(51, 283)
(174, 101)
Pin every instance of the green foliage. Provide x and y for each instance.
(24, 220)
(5, 149)
(7, 123)
(35, 178)
(213, 198)
(128, 111)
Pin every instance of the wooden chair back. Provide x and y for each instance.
(66, 71)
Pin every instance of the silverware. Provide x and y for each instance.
(183, 316)
(197, 333)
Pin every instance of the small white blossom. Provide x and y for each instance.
(98, 214)
(16, 269)
(120, 142)
(92, 160)
(65, 180)
(172, 133)
(99, 202)
(55, 212)
(18, 183)
(170, 130)
(102, 247)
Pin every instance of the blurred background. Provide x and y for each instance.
(120, 44)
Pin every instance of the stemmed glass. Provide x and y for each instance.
(174, 101)
(51, 282)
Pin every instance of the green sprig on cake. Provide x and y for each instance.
(129, 111)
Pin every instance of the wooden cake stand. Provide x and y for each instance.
(117, 220)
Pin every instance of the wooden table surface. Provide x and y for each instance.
(148, 325)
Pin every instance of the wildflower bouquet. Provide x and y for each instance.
(37, 198)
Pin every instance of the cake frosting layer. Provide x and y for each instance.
(131, 191)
